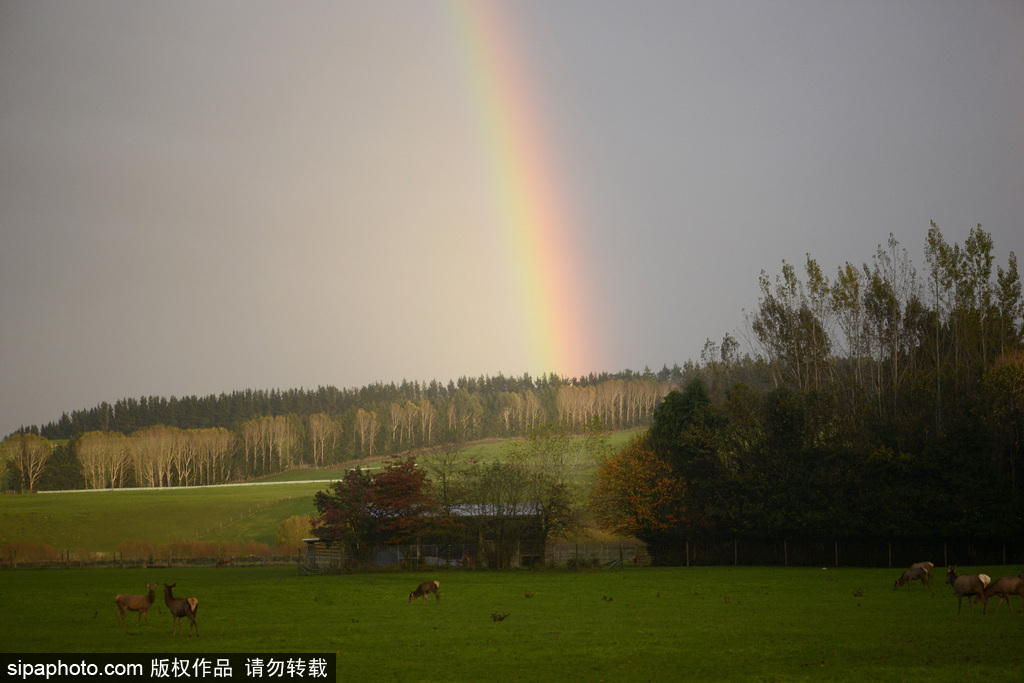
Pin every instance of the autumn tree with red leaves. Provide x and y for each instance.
(363, 510)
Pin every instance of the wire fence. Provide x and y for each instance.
(316, 557)
(323, 557)
(861, 552)
(14, 559)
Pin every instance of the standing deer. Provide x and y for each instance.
(424, 588)
(968, 585)
(135, 603)
(181, 607)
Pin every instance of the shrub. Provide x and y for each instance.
(29, 551)
(255, 549)
(134, 549)
(190, 549)
(292, 530)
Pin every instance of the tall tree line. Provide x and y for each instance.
(883, 403)
(158, 442)
(885, 332)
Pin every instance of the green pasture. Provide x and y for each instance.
(646, 624)
(98, 521)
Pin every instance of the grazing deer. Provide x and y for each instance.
(1005, 587)
(226, 562)
(913, 574)
(424, 588)
(181, 607)
(968, 585)
(135, 603)
(926, 566)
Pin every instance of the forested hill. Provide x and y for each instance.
(878, 366)
(486, 406)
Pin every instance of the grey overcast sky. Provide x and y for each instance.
(201, 197)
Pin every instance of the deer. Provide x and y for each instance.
(135, 603)
(926, 566)
(425, 588)
(1004, 587)
(913, 574)
(226, 562)
(968, 585)
(181, 607)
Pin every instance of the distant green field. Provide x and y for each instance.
(97, 521)
(648, 624)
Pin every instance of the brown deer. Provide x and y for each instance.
(927, 566)
(226, 562)
(968, 585)
(913, 574)
(135, 603)
(1005, 587)
(181, 607)
(424, 588)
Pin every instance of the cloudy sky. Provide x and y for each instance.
(201, 197)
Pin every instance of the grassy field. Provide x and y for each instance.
(647, 624)
(97, 521)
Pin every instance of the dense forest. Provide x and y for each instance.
(895, 408)
(172, 442)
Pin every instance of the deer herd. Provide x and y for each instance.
(974, 587)
(178, 607)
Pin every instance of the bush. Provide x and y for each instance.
(190, 549)
(134, 549)
(292, 530)
(29, 551)
(255, 549)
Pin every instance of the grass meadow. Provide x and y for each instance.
(646, 624)
(98, 521)
(639, 624)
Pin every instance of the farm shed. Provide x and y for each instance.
(505, 535)
(321, 556)
(493, 536)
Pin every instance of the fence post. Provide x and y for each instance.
(785, 552)
(687, 552)
(837, 553)
(735, 552)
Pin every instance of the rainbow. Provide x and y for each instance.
(536, 221)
